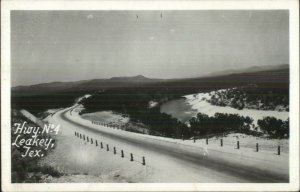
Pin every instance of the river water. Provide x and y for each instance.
(179, 109)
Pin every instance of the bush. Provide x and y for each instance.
(276, 128)
(220, 123)
(253, 97)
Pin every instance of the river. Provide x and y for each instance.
(179, 109)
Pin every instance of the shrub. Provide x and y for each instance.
(220, 123)
(274, 127)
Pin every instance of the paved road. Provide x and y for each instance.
(187, 163)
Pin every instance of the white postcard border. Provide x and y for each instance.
(8, 5)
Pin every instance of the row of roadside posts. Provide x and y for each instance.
(194, 138)
(105, 125)
(101, 144)
(238, 145)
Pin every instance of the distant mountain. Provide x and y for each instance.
(212, 80)
(114, 82)
(84, 85)
(46, 87)
(137, 79)
(245, 70)
(37, 98)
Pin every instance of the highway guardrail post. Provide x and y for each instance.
(144, 161)
(96, 143)
(80, 136)
(83, 137)
(278, 150)
(122, 153)
(256, 147)
(87, 139)
(107, 147)
(115, 152)
(75, 133)
(221, 142)
(131, 157)
(101, 145)
(91, 140)
(206, 141)
(238, 145)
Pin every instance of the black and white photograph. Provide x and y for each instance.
(151, 96)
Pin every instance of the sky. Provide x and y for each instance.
(49, 46)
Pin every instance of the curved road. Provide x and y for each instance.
(186, 163)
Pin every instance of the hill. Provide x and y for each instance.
(247, 70)
(40, 97)
(84, 85)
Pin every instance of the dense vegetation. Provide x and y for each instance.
(203, 125)
(251, 97)
(36, 104)
(276, 128)
(26, 169)
(135, 103)
(220, 123)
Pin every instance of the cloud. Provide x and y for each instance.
(90, 16)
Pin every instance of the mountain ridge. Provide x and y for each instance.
(95, 85)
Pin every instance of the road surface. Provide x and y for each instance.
(169, 162)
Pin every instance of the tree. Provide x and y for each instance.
(274, 127)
